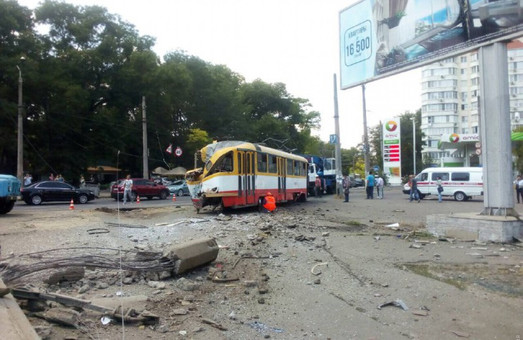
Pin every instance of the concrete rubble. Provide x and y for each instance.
(239, 273)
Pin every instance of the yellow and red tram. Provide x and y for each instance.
(239, 174)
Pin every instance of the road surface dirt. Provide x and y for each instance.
(323, 269)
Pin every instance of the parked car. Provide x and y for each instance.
(179, 188)
(141, 187)
(47, 191)
(9, 192)
(356, 182)
(162, 180)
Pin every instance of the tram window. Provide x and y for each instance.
(240, 165)
(208, 165)
(297, 166)
(262, 162)
(289, 167)
(273, 167)
(303, 169)
(224, 164)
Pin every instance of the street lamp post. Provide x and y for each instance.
(20, 143)
(414, 142)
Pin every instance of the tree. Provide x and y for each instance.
(84, 81)
(407, 163)
(517, 152)
(17, 39)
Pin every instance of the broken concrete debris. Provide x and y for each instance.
(192, 254)
(214, 324)
(396, 303)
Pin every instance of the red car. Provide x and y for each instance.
(141, 187)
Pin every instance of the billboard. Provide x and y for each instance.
(392, 150)
(379, 38)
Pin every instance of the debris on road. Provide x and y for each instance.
(65, 317)
(192, 254)
(121, 225)
(316, 265)
(261, 327)
(214, 324)
(460, 334)
(396, 303)
(393, 226)
(94, 231)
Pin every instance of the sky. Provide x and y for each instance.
(294, 42)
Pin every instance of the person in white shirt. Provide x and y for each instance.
(380, 184)
(127, 188)
(28, 179)
(520, 189)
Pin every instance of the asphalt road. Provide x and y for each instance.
(394, 199)
(106, 202)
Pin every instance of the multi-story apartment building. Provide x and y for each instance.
(450, 112)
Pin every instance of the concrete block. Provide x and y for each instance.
(193, 254)
(13, 323)
(476, 227)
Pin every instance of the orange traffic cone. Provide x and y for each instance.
(71, 205)
(137, 199)
(174, 197)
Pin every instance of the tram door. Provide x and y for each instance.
(282, 177)
(246, 176)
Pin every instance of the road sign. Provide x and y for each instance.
(178, 152)
(333, 139)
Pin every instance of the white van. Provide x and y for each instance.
(462, 183)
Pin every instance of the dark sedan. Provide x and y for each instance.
(47, 191)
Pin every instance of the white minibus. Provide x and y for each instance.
(462, 183)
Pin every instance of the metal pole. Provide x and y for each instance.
(20, 143)
(144, 138)
(338, 142)
(414, 143)
(365, 134)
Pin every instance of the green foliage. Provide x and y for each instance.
(407, 161)
(517, 151)
(84, 82)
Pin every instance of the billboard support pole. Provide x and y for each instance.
(365, 134)
(495, 131)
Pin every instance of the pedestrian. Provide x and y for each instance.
(520, 189)
(59, 178)
(317, 187)
(51, 177)
(28, 179)
(440, 189)
(370, 185)
(127, 189)
(82, 181)
(269, 203)
(346, 187)
(380, 184)
(413, 189)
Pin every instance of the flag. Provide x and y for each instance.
(169, 149)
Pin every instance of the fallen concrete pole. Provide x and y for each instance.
(13, 323)
(192, 254)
